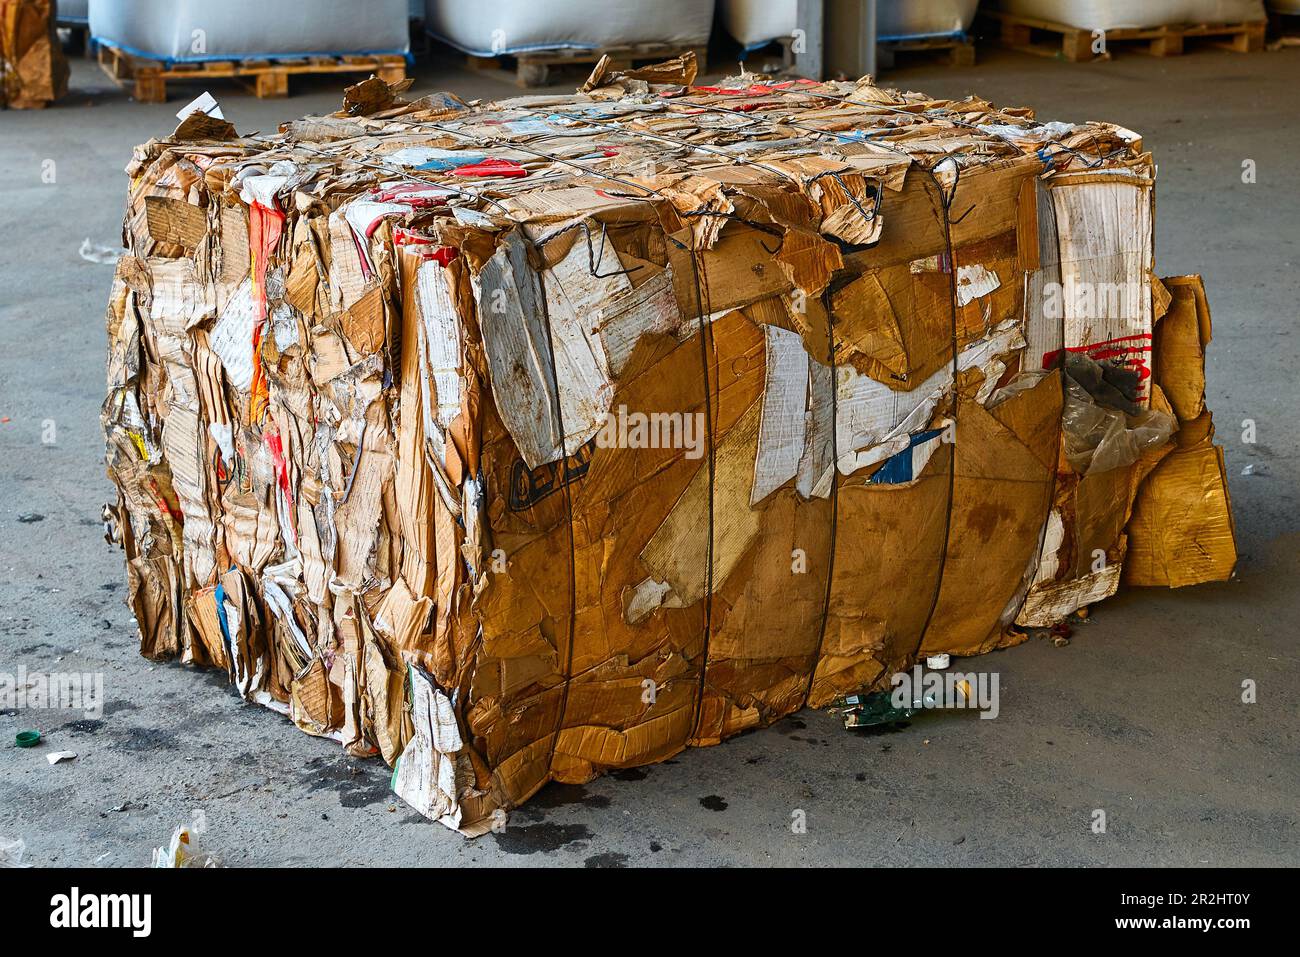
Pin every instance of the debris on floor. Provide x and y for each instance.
(921, 690)
(873, 709)
(11, 853)
(520, 441)
(96, 253)
(182, 850)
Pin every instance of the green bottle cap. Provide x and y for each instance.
(27, 739)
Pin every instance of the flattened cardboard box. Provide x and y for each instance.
(519, 441)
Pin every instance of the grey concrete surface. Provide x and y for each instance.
(1139, 716)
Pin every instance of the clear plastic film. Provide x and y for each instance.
(1100, 437)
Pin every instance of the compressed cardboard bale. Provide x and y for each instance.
(516, 442)
(33, 70)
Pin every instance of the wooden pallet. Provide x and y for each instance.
(79, 43)
(1076, 43)
(269, 77)
(1283, 27)
(533, 69)
(957, 50)
(765, 56)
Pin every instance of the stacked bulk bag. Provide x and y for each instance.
(197, 30)
(519, 26)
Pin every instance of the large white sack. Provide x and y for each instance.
(515, 26)
(166, 29)
(73, 11)
(1115, 14)
(922, 18)
(756, 22)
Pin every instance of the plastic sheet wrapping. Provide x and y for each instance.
(1100, 438)
(518, 442)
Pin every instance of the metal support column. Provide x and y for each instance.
(810, 39)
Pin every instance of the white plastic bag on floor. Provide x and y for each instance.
(11, 853)
(182, 851)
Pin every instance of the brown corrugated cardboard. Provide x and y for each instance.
(516, 442)
(33, 70)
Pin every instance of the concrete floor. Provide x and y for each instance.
(1140, 715)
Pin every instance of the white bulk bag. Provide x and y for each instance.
(517, 26)
(1116, 14)
(756, 22)
(194, 30)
